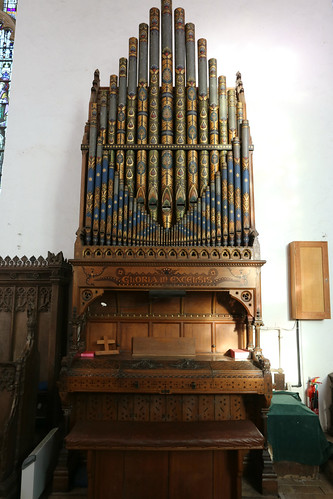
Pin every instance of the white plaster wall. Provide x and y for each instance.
(284, 51)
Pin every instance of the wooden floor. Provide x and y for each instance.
(289, 488)
(296, 488)
(305, 483)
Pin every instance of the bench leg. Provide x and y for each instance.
(260, 472)
(269, 483)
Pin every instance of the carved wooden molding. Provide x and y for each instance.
(24, 261)
(149, 407)
(191, 253)
(6, 299)
(19, 271)
(23, 297)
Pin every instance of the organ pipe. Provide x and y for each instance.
(168, 158)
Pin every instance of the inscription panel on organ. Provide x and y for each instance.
(167, 275)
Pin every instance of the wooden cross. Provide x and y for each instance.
(107, 350)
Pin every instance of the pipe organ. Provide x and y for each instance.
(166, 272)
(169, 164)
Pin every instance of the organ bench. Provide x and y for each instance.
(201, 459)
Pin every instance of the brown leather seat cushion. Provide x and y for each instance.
(131, 435)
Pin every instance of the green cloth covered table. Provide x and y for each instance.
(294, 432)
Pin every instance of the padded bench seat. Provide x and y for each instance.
(168, 460)
(132, 435)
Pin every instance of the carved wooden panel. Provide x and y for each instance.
(215, 319)
(100, 277)
(157, 408)
(108, 406)
(199, 302)
(7, 390)
(141, 407)
(6, 337)
(190, 408)
(166, 305)
(125, 408)
(132, 302)
(222, 407)
(6, 299)
(166, 329)
(128, 330)
(181, 254)
(210, 335)
(39, 284)
(237, 407)
(206, 408)
(227, 336)
(202, 332)
(173, 408)
(80, 407)
(18, 393)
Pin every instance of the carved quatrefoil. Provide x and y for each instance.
(246, 296)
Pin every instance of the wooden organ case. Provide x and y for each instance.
(166, 279)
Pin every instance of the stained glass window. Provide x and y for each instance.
(7, 32)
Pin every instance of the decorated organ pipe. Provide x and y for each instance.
(131, 112)
(167, 116)
(245, 181)
(153, 115)
(237, 191)
(180, 114)
(224, 201)
(121, 116)
(104, 192)
(213, 117)
(168, 155)
(112, 110)
(97, 189)
(191, 98)
(91, 167)
(110, 197)
(142, 126)
(203, 114)
(223, 114)
(218, 209)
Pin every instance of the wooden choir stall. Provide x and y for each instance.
(166, 280)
